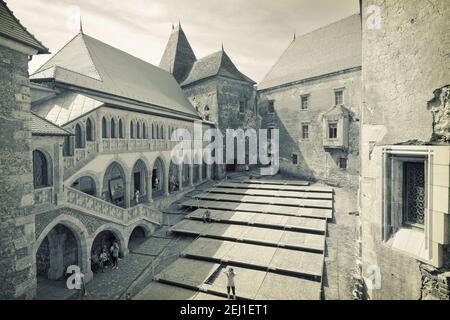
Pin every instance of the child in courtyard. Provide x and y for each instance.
(230, 283)
(115, 254)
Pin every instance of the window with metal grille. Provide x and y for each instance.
(294, 158)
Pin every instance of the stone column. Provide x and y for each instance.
(191, 174)
(127, 192)
(166, 182)
(149, 188)
(180, 177)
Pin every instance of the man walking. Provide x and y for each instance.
(115, 254)
(230, 283)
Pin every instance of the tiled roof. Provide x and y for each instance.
(218, 63)
(178, 56)
(89, 63)
(10, 27)
(41, 126)
(333, 48)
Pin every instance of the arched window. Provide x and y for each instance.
(153, 131)
(157, 131)
(144, 131)
(162, 132)
(40, 170)
(89, 130)
(138, 130)
(104, 129)
(131, 130)
(78, 137)
(113, 128)
(68, 146)
(121, 136)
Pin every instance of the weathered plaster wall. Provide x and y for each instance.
(314, 162)
(17, 278)
(404, 62)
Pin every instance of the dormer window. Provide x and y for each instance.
(271, 107)
(339, 97)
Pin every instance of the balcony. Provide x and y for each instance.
(43, 196)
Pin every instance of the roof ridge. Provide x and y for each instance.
(54, 55)
(325, 26)
(90, 54)
(43, 48)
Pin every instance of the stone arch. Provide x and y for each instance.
(186, 170)
(81, 235)
(42, 168)
(118, 234)
(145, 232)
(90, 129)
(86, 184)
(159, 171)
(104, 127)
(139, 179)
(197, 168)
(114, 182)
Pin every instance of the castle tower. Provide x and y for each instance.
(178, 56)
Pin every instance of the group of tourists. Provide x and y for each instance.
(111, 256)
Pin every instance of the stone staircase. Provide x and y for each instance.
(104, 210)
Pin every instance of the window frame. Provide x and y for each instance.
(305, 97)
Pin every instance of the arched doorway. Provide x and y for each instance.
(103, 241)
(58, 250)
(137, 237)
(114, 185)
(85, 184)
(174, 184)
(158, 178)
(139, 178)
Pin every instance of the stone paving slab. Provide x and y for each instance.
(274, 187)
(282, 182)
(250, 284)
(256, 256)
(161, 291)
(274, 237)
(260, 208)
(188, 272)
(314, 203)
(279, 287)
(273, 193)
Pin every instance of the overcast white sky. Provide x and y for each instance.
(254, 32)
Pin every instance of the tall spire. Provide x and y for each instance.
(294, 35)
(81, 25)
(222, 47)
(173, 27)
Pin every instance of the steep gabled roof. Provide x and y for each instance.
(178, 57)
(10, 27)
(330, 49)
(91, 64)
(218, 63)
(43, 127)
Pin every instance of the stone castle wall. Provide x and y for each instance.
(16, 185)
(405, 60)
(314, 162)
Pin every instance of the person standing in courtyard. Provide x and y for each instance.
(207, 216)
(230, 283)
(136, 196)
(103, 258)
(115, 254)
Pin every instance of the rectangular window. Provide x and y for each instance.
(241, 106)
(271, 107)
(343, 163)
(305, 102)
(305, 132)
(294, 158)
(339, 97)
(332, 130)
